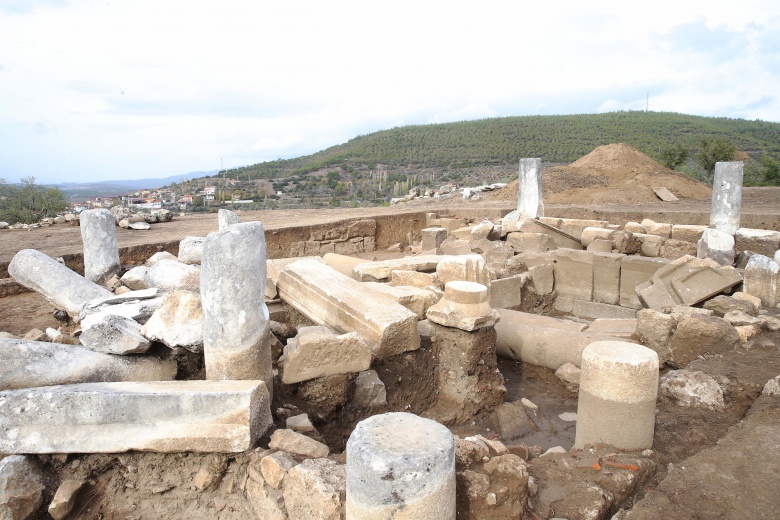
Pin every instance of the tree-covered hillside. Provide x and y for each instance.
(556, 139)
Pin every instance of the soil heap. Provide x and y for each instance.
(611, 174)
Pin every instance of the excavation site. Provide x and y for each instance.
(595, 341)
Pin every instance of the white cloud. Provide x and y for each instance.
(147, 88)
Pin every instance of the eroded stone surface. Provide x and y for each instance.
(318, 352)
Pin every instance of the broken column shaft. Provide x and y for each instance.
(529, 192)
(726, 196)
(101, 251)
(401, 467)
(618, 389)
(236, 334)
(64, 288)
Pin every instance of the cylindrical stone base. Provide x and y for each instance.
(618, 389)
(400, 467)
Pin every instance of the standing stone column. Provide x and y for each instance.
(236, 341)
(401, 467)
(618, 389)
(529, 189)
(726, 196)
(101, 251)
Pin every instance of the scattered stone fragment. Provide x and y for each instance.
(512, 421)
(191, 250)
(135, 278)
(570, 375)
(716, 245)
(138, 310)
(698, 335)
(141, 226)
(772, 387)
(762, 280)
(65, 498)
(275, 466)
(226, 218)
(169, 276)
(210, 473)
(21, 487)
(369, 390)
(298, 444)
(692, 389)
(178, 322)
(722, 304)
(115, 335)
(300, 423)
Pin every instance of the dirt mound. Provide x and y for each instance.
(611, 174)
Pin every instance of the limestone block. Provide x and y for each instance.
(469, 268)
(772, 387)
(692, 389)
(318, 352)
(743, 296)
(527, 225)
(27, 364)
(698, 335)
(369, 390)
(618, 390)
(115, 335)
(332, 299)
(135, 278)
(726, 196)
(236, 334)
(634, 227)
(379, 271)
(433, 237)
(592, 310)
(226, 218)
(129, 296)
(742, 319)
(169, 276)
(673, 249)
(160, 255)
(341, 263)
(634, 271)
(762, 280)
(481, 230)
(162, 416)
(64, 288)
(297, 444)
(657, 228)
(589, 234)
(178, 323)
(530, 242)
(21, 487)
(606, 277)
(617, 327)
(316, 490)
(191, 250)
(651, 244)
(101, 252)
(759, 241)
(464, 306)
(506, 293)
(687, 281)
(413, 279)
(530, 203)
(275, 467)
(542, 278)
(722, 304)
(570, 375)
(454, 246)
(716, 245)
(413, 298)
(574, 226)
(574, 273)
(65, 498)
(654, 330)
(687, 233)
(400, 466)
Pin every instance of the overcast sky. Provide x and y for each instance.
(103, 89)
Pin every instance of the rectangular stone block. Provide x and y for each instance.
(762, 241)
(507, 293)
(414, 298)
(634, 271)
(530, 242)
(606, 277)
(329, 298)
(529, 192)
(575, 226)
(379, 271)
(618, 327)
(593, 310)
(574, 273)
(762, 279)
(432, 238)
(688, 233)
(726, 196)
(162, 416)
(560, 238)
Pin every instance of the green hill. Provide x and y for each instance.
(499, 141)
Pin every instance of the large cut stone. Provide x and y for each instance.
(316, 490)
(574, 273)
(236, 334)
(178, 322)
(606, 277)
(762, 279)
(169, 276)
(726, 196)
(761, 241)
(162, 416)
(413, 298)
(101, 252)
(634, 271)
(25, 364)
(716, 245)
(21, 487)
(329, 298)
(464, 306)
(697, 335)
(64, 288)
(687, 281)
(468, 268)
(115, 335)
(318, 352)
(378, 271)
(529, 189)
(191, 250)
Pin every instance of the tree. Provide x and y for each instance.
(30, 202)
(770, 170)
(674, 156)
(713, 151)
